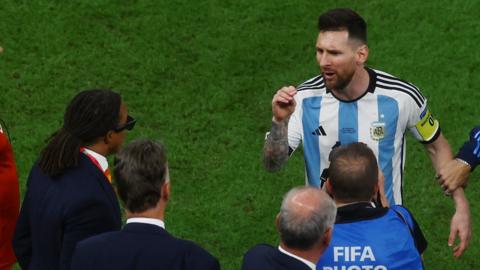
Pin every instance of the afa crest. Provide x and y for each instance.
(377, 131)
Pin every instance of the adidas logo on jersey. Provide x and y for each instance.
(319, 131)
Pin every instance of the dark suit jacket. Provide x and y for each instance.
(266, 257)
(141, 246)
(58, 213)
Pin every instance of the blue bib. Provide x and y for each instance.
(376, 244)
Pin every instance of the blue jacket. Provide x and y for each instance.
(141, 246)
(58, 213)
(365, 236)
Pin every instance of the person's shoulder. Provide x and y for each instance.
(398, 207)
(313, 84)
(3, 143)
(475, 132)
(386, 76)
(98, 240)
(94, 245)
(192, 249)
(403, 213)
(262, 248)
(197, 257)
(258, 255)
(397, 87)
(259, 251)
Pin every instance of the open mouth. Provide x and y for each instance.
(328, 75)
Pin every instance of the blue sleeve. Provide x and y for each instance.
(470, 151)
(418, 237)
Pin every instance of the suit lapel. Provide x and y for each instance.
(104, 183)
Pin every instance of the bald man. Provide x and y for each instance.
(305, 225)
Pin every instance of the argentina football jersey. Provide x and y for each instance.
(378, 118)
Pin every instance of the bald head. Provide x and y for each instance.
(304, 217)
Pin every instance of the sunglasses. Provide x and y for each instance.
(128, 125)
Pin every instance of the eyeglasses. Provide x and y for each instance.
(128, 125)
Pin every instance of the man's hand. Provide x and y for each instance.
(460, 224)
(283, 103)
(453, 174)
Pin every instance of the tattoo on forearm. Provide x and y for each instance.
(275, 151)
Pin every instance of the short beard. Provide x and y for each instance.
(340, 84)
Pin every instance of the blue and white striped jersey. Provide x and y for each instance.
(379, 118)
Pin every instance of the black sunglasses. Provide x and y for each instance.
(128, 125)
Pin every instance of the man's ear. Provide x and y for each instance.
(277, 221)
(108, 137)
(327, 237)
(376, 188)
(328, 186)
(166, 191)
(362, 54)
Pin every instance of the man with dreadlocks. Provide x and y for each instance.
(69, 193)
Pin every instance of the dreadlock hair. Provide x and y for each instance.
(90, 115)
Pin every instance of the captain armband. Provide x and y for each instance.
(428, 127)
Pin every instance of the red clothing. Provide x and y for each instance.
(9, 202)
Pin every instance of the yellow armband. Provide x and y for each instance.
(428, 126)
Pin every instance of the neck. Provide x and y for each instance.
(99, 148)
(158, 213)
(309, 255)
(357, 86)
(343, 203)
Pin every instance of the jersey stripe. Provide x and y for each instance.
(396, 81)
(348, 122)
(399, 102)
(402, 166)
(319, 87)
(386, 75)
(311, 148)
(388, 113)
(314, 83)
(388, 87)
(313, 79)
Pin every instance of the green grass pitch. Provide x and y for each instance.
(199, 75)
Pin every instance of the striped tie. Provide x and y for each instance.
(108, 175)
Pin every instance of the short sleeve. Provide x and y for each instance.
(295, 127)
(421, 123)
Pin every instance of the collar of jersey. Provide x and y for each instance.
(370, 89)
(359, 211)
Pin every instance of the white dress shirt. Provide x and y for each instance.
(307, 262)
(152, 221)
(99, 158)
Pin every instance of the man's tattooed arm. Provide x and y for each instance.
(275, 150)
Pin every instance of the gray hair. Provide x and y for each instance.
(303, 225)
(140, 171)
